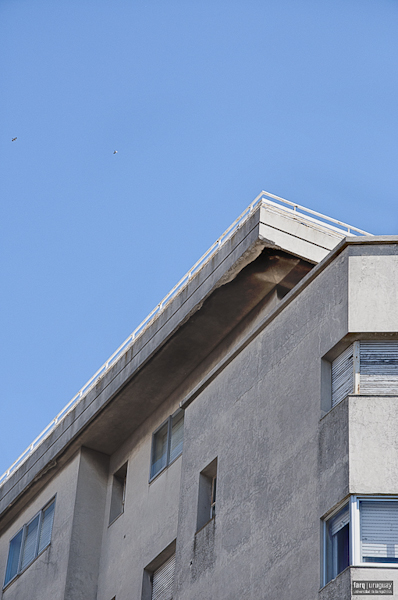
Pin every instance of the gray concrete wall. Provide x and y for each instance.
(285, 459)
(373, 445)
(261, 418)
(149, 522)
(341, 587)
(373, 288)
(265, 228)
(333, 458)
(45, 578)
(88, 517)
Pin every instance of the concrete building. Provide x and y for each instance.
(242, 443)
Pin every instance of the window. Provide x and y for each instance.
(338, 543)
(118, 493)
(29, 542)
(363, 532)
(366, 367)
(379, 531)
(167, 443)
(207, 495)
(158, 576)
(163, 580)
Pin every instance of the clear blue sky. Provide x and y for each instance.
(207, 103)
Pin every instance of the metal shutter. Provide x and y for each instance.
(46, 526)
(379, 529)
(379, 367)
(343, 375)
(340, 520)
(30, 542)
(163, 579)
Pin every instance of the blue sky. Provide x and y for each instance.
(207, 103)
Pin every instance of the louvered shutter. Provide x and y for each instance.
(339, 521)
(343, 375)
(46, 526)
(163, 580)
(177, 436)
(379, 367)
(30, 541)
(379, 530)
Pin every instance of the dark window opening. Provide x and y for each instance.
(207, 495)
(118, 493)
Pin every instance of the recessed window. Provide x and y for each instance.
(158, 576)
(163, 580)
(207, 495)
(363, 532)
(368, 367)
(338, 543)
(167, 442)
(29, 542)
(118, 493)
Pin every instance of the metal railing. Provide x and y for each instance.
(297, 212)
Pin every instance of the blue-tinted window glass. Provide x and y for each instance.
(338, 543)
(13, 557)
(159, 452)
(177, 435)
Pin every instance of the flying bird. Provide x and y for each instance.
(115, 152)
(13, 139)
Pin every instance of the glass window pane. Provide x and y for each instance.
(379, 531)
(29, 546)
(177, 435)
(13, 557)
(159, 450)
(46, 526)
(338, 543)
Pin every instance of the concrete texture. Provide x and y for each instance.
(46, 576)
(261, 417)
(86, 535)
(373, 289)
(373, 445)
(246, 351)
(239, 251)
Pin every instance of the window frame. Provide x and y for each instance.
(169, 461)
(119, 479)
(355, 550)
(207, 495)
(24, 530)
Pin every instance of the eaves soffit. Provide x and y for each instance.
(266, 227)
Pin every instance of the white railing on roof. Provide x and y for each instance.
(296, 211)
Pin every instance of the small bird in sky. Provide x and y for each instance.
(13, 139)
(114, 152)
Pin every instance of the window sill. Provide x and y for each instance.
(206, 524)
(116, 518)
(375, 566)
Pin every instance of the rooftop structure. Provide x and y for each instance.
(274, 204)
(240, 444)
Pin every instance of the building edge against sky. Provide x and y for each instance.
(243, 446)
(266, 199)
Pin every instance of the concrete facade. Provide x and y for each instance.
(245, 351)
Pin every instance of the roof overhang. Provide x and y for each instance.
(250, 273)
